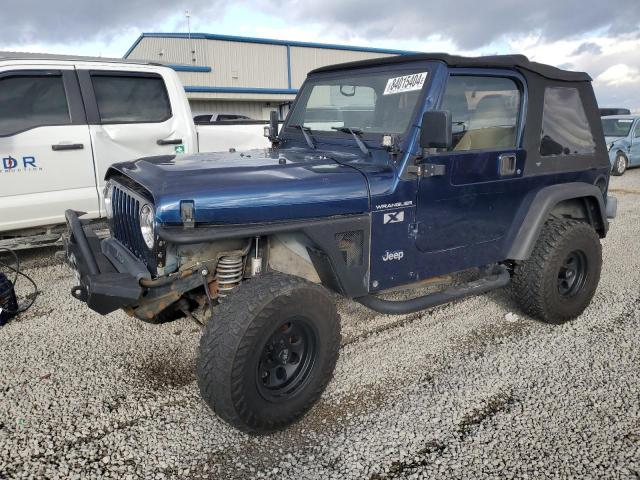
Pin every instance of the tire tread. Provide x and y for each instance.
(529, 276)
(229, 336)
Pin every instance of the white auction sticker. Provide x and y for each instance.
(407, 83)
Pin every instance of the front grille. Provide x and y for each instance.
(351, 246)
(125, 224)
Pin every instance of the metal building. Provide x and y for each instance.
(243, 75)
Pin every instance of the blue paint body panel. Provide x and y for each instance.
(232, 188)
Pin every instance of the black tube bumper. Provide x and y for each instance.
(100, 285)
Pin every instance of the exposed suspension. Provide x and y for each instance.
(229, 273)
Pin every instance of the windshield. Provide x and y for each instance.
(616, 127)
(381, 102)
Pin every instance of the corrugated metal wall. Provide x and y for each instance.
(304, 59)
(241, 64)
(233, 64)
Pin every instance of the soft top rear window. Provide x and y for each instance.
(565, 128)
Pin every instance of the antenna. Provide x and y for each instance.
(187, 13)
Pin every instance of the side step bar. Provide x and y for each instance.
(498, 279)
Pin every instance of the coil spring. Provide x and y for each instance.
(229, 273)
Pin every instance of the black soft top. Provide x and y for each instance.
(519, 62)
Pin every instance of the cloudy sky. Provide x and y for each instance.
(601, 37)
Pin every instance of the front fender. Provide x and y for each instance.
(617, 147)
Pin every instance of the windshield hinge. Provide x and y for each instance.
(415, 170)
(433, 169)
(427, 170)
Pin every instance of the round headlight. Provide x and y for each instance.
(108, 194)
(147, 225)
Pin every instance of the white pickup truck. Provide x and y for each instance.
(65, 120)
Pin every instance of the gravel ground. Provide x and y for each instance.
(473, 389)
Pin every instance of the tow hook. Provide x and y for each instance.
(80, 293)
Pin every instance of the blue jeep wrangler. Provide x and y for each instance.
(386, 172)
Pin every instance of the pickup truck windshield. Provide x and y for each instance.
(381, 102)
(616, 127)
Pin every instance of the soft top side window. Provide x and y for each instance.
(484, 111)
(131, 98)
(565, 128)
(31, 101)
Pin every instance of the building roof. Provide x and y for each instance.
(266, 41)
(494, 61)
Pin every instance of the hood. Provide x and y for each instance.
(250, 187)
(610, 140)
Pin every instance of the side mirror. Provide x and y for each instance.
(436, 129)
(271, 132)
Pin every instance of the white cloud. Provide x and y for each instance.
(619, 74)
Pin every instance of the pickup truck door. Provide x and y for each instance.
(46, 165)
(133, 113)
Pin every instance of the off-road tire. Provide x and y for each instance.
(235, 339)
(536, 281)
(620, 164)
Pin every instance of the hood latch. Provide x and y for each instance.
(187, 213)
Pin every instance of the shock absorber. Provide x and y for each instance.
(229, 272)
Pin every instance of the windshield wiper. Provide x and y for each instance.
(305, 133)
(355, 132)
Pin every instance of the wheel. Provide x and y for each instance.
(620, 165)
(559, 279)
(268, 353)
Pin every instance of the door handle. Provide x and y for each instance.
(173, 141)
(67, 146)
(507, 163)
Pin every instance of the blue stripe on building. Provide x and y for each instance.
(264, 91)
(190, 68)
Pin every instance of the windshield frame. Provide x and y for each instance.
(373, 139)
(631, 122)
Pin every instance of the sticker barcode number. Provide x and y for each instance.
(406, 83)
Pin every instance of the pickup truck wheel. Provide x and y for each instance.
(560, 278)
(268, 353)
(620, 165)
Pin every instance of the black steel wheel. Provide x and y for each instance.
(559, 280)
(287, 359)
(572, 274)
(268, 353)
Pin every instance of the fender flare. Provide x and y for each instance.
(542, 205)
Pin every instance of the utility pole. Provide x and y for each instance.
(187, 14)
